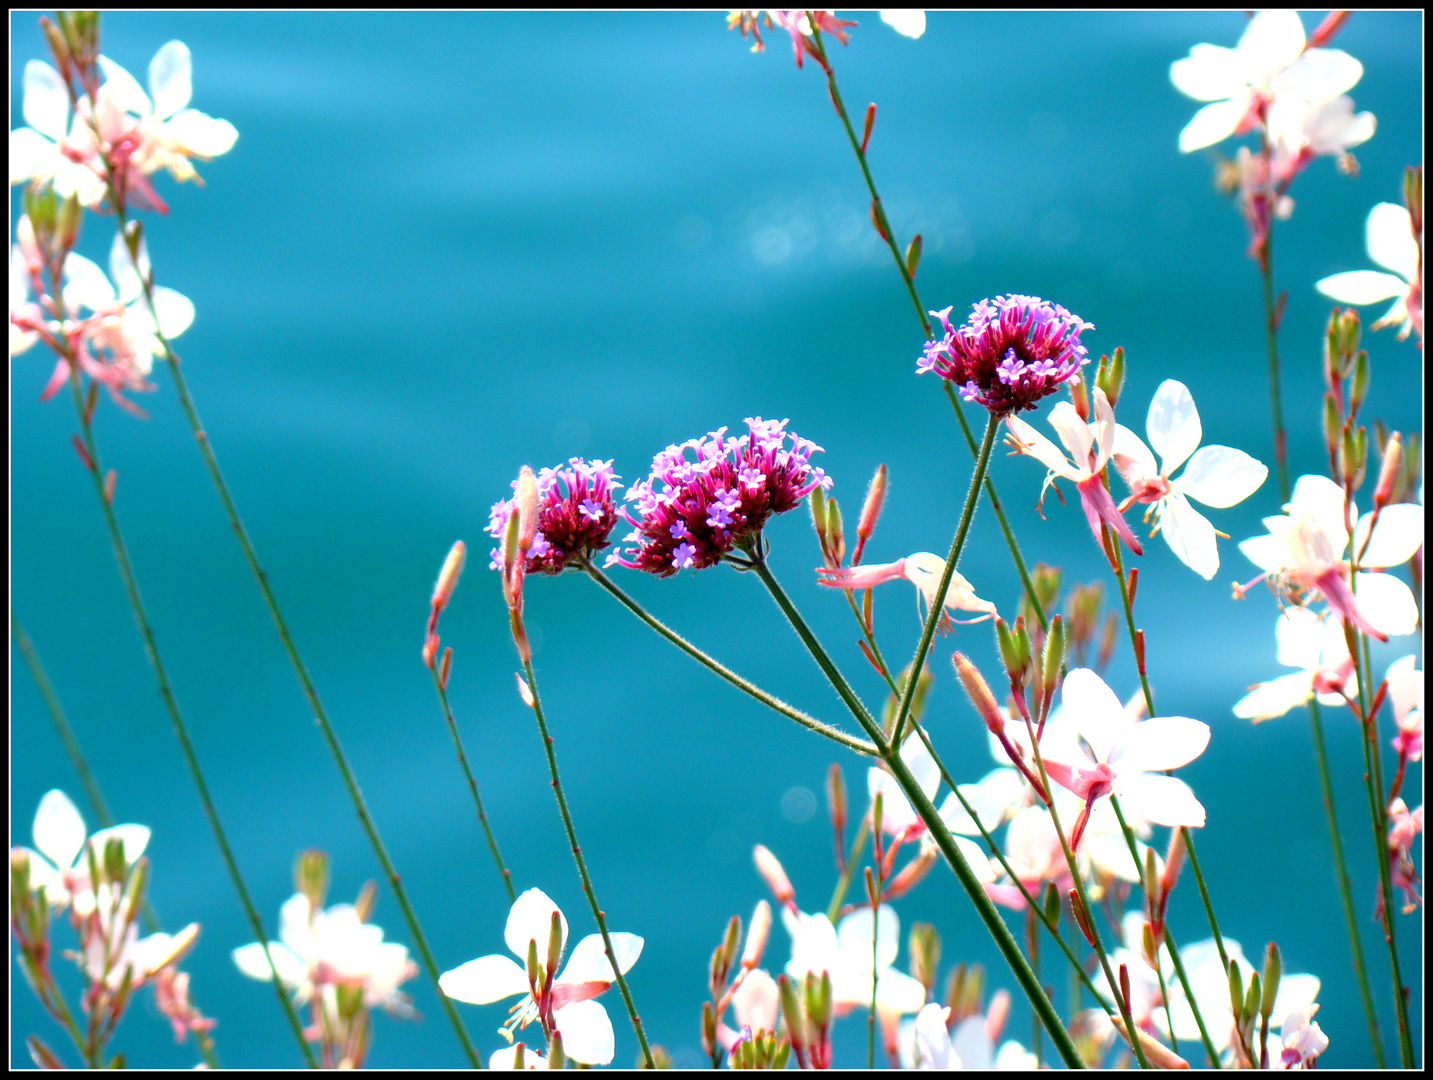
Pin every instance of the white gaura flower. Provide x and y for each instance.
(1305, 549)
(586, 1029)
(1269, 64)
(1217, 476)
(54, 148)
(1315, 645)
(113, 947)
(927, 1042)
(169, 132)
(1123, 756)
(58, 862)
(845, 952)
(320, 948)
(1301, 131)
(1405, 691)
(1393, 244)
(506, 1058)
(924, 570)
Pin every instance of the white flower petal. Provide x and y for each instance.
(976, 859)
(250, 960)
(1268, 553)
(1040, 448)
(586, 1032)
(170, 79)
(932, 1037)
(86, 285)
(1270, 43)
(1164, 800)
(1208, 73)
(484, 980)
(1213, 123)
(1094, 711)
(1361, 286)
(1296, 991)
(1079, 440)
(897, 814)
(854, 937)
(47, 104)
(909, 23)
(176, 311)
(1321, 497)
(1317, 75)
(59, 830)
(1131, 458)
(530, 919)
(1189, 535)
(1274, 698)
(1396, 538)
(30, 154)
(588, 960)
(972, 1045)
(1387, 603)
(123, 89)
(1389, 234)
(897, 992)
(1221, 476)
(1173, 425)
(1300, 636)
(1165, 742)
(506, 1058)
(202, 135)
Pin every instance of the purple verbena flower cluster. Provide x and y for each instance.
(692, 513)
(575, 515)
(1010, 353)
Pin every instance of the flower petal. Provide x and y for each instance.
(506, 1058)
(1391, 243)
(1029, 441)
(1387, 603)
(1189, 535)
(1274, 698)
(86, 285)
(1173, 425)
(30, 154)
(1208, 73)
(202, 135)
(135, 839)
(897, 992)
(909, 23)
(1221, 476)
(47, 103)
(1268, 553)
(250, 960)
(1270, 43)
(1164, 800)
(588, 960)
(1361, 286)
(170, 79)
(123, 89)
(1213, 123)
(1300, 636)
(1164, 742)
(1317, 75)
(1131, 458)
(59, 830)
(854, 936)
(586, 1032)
(484, 980)
(1396, 538)
(1094, 710)
(530, 919)
(1079, 440)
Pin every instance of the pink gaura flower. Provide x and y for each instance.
(1405, 690)
(1304, 551)
(575, 515)
(1090, 444)
(1315, 644)
(1122, 756)
(1403, 829)
(692, 513)
(1011, 352)
(923, 570)
(1392, 242)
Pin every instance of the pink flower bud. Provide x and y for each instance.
(979, 692)
(447, 582)
(1389, 474)
(526, 501)
(757, 935)
(875, 496)
(769, 867)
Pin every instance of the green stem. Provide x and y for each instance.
(166, 694)
(925, 809)
(211, 464)
(908, 277)
(472, 784)
(838, 894)
(1378, 816)
(832, 733)
(1344, 888)
(1271, 329)
(937, 602)
(1128, 603)
(62, 725)
(597, 913)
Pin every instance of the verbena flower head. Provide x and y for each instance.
(691, 513)
(575, 515)
(1010, 353)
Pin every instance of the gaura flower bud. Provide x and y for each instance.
(979, 693)
(912, 874)
(770, 869)
(556, 1055)
(311, 877)
(1389, 472)
(1333, 422)
(526, 501)
(757, 935)
(367, 897)
(1358, 385)
(870, 511)
(448, 576)
(835, 534)
(1273, 971)
(1253, 998)
(730, 944)
(1236, 989)
(836, 800)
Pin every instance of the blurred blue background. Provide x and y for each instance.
(447, 245)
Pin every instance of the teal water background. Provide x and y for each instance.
(448, 245)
